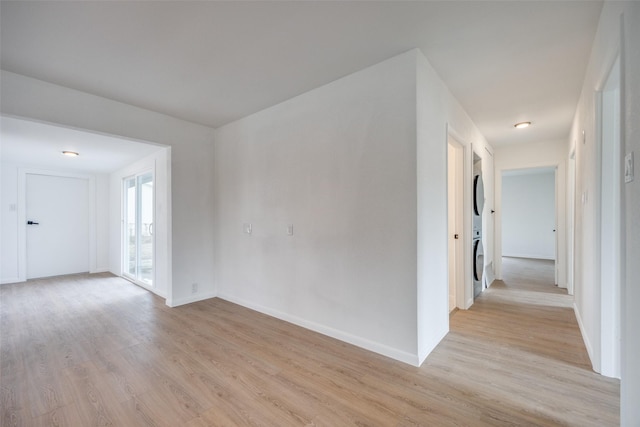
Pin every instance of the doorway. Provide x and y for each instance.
(138, 231)
(57, 231)
(528, 220)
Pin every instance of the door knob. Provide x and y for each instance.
(32, 223)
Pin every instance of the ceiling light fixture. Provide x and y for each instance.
(70, 153)
(522, 125)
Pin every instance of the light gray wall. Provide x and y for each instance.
(9, 222)
(191, 173)
(630, 387)
(618, 32)
(528, 215)
(338, 163)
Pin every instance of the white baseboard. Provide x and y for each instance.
(425, 352)
(585, 338)
(530, 256)
(11, 280)
(489, 275)
(393, 353)
(190, 299)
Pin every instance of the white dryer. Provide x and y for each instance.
(478, 251)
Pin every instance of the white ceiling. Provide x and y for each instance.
(215, 62)
(34, 144)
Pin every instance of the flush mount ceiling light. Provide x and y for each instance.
(70, 153)
(522, 125)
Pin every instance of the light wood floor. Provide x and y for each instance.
(96, 350)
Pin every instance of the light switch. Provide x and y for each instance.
(628, 167)
(290, 229)
(247, 227)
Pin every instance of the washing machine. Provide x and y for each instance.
(478, 251)
(478, 262)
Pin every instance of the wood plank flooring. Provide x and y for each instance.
(95, 350)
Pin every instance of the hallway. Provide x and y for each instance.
(520, 346)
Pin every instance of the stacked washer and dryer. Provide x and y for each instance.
(478, 252)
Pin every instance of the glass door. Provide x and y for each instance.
(138, 228)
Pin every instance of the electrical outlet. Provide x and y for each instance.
(290, 229)
(194, 288)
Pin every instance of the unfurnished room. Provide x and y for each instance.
(297, 213)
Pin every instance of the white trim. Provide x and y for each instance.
(465, 298)
(426, 351)
(571, 220)
(190, 299)
(560, 189)
(529, 256)
(142, 285)
(123, 229)
(402, 356)
(169, 228)
(608, 214)
(585, 337)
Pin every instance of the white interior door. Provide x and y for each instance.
(57, 240)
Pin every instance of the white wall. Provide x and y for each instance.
(535, 155)
(528, 215)
(630, 386)
(102, 222)
(339, 164)
(618, 33)
(12, 240)
(438, 112)
(367, 262)
(9, 271)
(159, 164)
(191, 207)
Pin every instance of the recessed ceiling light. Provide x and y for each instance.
(70, 153)
(522, 125)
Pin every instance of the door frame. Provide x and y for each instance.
(571, 219)
(560, 215)
(22, 216)
(609, 220)
(464, 287)
(457, 217)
